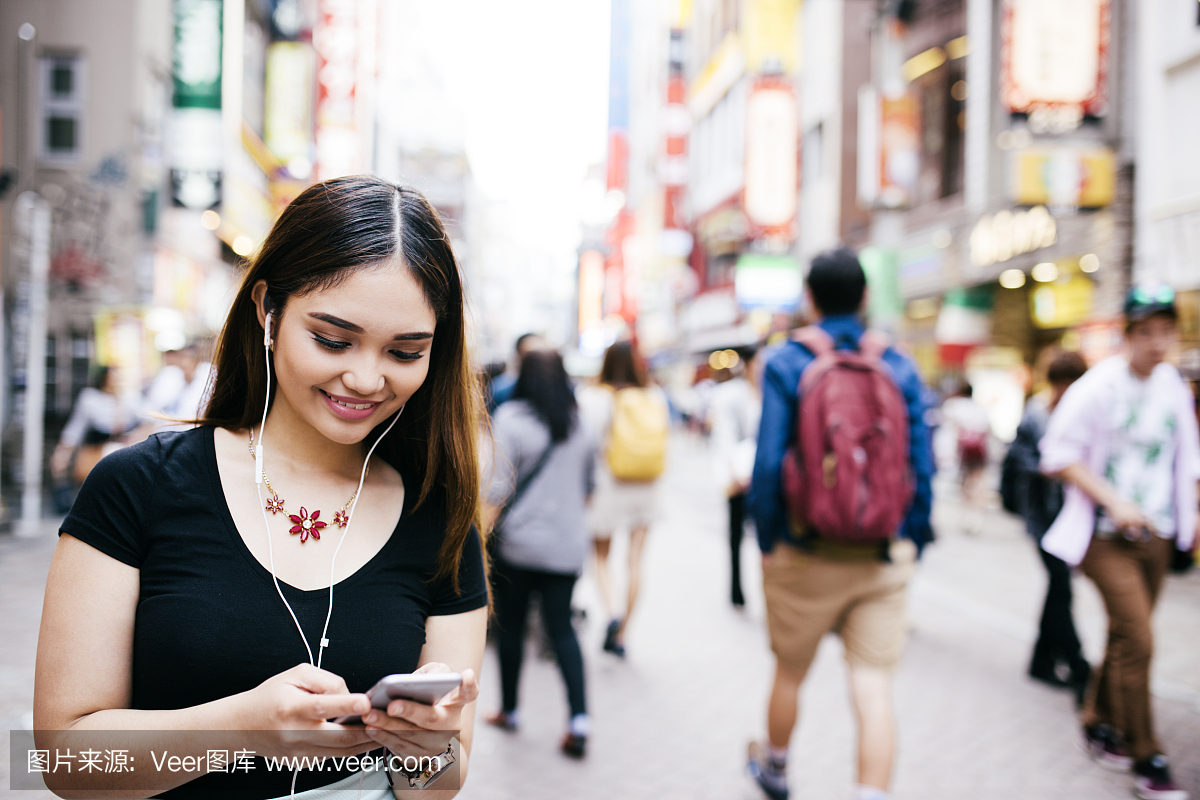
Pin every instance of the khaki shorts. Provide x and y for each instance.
(861, 600)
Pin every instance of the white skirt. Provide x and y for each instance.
(621, 504)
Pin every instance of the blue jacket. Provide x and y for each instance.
(777, 431)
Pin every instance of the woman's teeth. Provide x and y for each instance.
(355, 406)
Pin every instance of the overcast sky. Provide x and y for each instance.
(529, 79)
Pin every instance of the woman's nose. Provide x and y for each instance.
(364, 377)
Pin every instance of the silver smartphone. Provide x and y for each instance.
(421, 687)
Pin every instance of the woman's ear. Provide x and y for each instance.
(263, 307)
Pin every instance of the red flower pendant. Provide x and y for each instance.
(341, 518)
(305, 525)
(275, 504)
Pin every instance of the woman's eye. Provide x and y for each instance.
(329, 344)
(404, 355)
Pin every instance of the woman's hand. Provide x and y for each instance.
(290, 712)
(409, 728)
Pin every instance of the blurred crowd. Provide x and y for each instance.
(577, 461)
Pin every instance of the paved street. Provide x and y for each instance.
(672, 721)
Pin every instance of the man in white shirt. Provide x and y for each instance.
(1125, 438)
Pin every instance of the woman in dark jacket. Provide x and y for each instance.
(1037, 499)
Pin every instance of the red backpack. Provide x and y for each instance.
(848, 477)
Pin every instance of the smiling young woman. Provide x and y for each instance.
(193, 586)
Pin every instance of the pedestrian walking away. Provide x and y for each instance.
(841, 499)
(1057, 656)
(542, 476)
(969, 422)
(736, 408)
(630, 419)
(180, 601)
(1125, 438)
(103, 420)
(501, 387)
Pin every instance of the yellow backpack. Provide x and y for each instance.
(637, 439)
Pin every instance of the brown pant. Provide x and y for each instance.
(1129, 576)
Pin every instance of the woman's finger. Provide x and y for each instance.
(321, 707)
(419, 714)
(378, 719)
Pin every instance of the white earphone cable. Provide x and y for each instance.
(259, 474)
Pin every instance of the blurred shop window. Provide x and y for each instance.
(81, 362)
(943, 92)
(721, 270)
(62, 102)
(51, 405)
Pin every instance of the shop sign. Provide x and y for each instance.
(288, 120)
(336, 41)
(1061, 305)
(195, 141)
(196, 76)
(591, 299)
(1054, 60)
(889, 141)
(772, 157)
(767, 282)
(1064, 176)
(723, 230)
(998, 237)
(770, 35)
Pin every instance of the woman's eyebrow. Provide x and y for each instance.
(338, 322)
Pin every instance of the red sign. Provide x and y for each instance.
(1054, 58)
(335, 39)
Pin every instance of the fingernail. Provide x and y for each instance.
(370, 716)
(398, 709)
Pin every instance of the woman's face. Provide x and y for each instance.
(348, 357)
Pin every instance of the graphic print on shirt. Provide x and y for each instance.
(1141, 455)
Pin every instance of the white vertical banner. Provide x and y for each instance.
(772, 157)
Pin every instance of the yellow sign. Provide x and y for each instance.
(1061, 305)
(1065, 177)
(770, 35)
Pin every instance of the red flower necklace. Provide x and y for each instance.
(305, 524)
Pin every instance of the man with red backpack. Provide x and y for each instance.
(841, 498)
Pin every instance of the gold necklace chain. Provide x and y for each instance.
(304, 524)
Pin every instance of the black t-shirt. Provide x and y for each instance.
(209, 622)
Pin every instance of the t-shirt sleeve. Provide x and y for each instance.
(472, 582)
(108, 513)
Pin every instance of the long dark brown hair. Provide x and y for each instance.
(622, 367)
(543, 383)
(329, 231)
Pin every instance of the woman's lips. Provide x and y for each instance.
(348, 407)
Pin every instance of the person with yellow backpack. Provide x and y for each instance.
(630, 417)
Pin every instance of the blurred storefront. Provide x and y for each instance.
(164, 138)
(744, 172)
(1005, 194)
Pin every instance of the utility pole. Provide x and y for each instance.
(35, 366)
